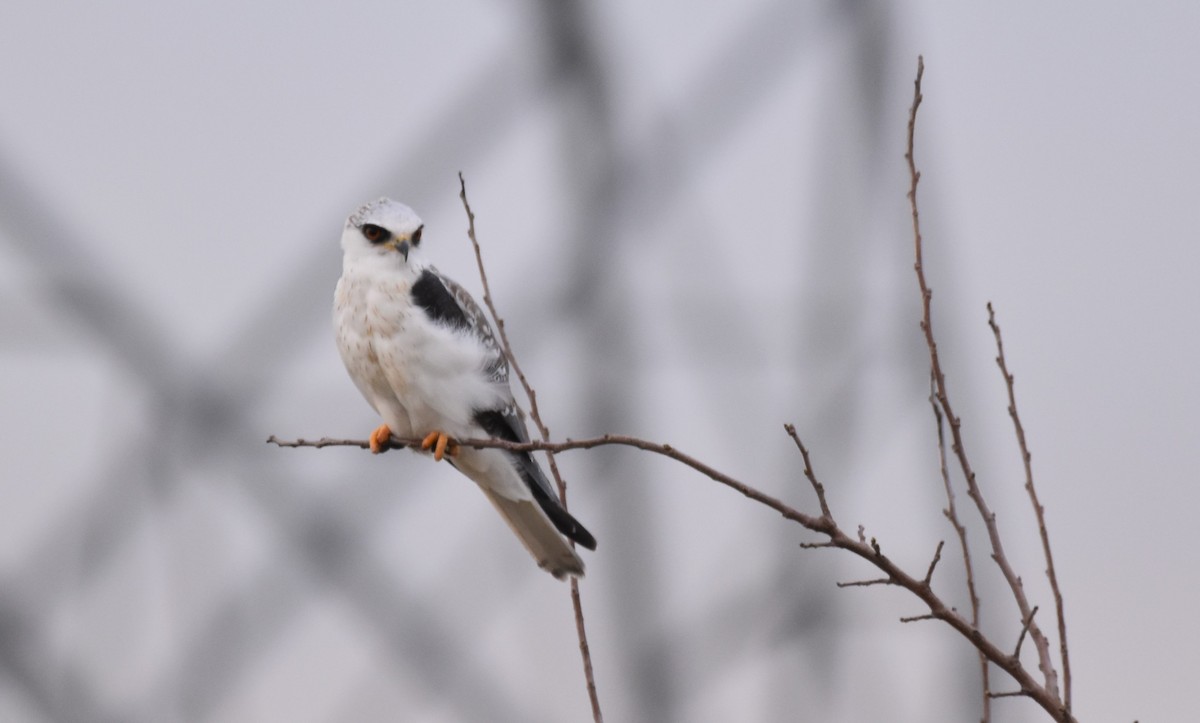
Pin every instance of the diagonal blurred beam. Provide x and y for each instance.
(650, 171)
(618, 189)
(75, 279)
(329, 545)
(210, 418)
(650, 203)
(60, 695)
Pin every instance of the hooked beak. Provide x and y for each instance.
(401, 246)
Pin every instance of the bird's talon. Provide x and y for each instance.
(381, 439)
(441, 444)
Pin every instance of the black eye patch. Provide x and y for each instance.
(375, 234)
(416, 235)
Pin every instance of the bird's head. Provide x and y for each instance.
(384, 231)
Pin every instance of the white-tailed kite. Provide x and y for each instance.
(420, 350)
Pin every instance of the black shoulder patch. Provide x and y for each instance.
(431, 295)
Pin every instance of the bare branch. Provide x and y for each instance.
(917, 618)
(958, 446)
(951, 513)
(867, 583)
(1038, 510)
(1024, 629)
(937, 556)
(815, 524)
(329, 442)
(808, 471)
(491, 306)
(576, 600)
(826, 526)
(585, 652)
(816, 545)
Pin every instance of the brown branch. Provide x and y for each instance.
(331, 442)
(576, 601)
(958, 447)
(867, 583)
(491, 306)
(808, 471)
(819, 524)
(937, 556)
(1024, 630)
(816, 524)
(951, 513)
(1038, 510)
(815, 545)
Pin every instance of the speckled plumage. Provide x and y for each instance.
(424, 356)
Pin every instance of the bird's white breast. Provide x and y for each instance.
(418, 375)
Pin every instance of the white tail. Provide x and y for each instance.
(538, 534)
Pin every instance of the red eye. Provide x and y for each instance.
(416, 236)
(374, 233)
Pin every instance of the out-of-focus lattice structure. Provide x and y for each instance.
(184, 571)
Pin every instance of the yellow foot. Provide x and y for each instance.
(441, 444)
(381, 439)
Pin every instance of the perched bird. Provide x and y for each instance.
(420, 350)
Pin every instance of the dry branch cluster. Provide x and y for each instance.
(1044, 689)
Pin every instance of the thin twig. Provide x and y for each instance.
(331, 442)
(937, 556)
(951, 513)
(1045, 663)
(867, 583)
(808, 471)
(1024, 630)
(1038, 510)
(576, 601)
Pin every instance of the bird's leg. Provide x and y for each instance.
(381, 439)
(441, 444)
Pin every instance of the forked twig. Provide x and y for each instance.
(1045, 663)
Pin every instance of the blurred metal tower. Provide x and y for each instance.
(197, 416)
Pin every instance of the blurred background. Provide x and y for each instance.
(695, 225)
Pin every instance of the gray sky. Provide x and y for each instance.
(697, 232)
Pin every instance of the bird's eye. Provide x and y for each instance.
(416, 235)
(374, 234)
